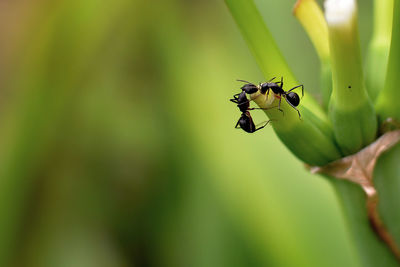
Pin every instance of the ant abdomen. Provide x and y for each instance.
(293, 99)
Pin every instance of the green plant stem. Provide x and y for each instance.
(372, 251)
(387, 170)
(311, 17)
(387, 182)
(387, 103)
(350, 109)
(378, 52)
(311, 138)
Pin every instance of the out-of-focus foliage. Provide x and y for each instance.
(118, 145)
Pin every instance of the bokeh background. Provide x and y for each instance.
(118, 145)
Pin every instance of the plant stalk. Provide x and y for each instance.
(378, 51)
(387, 102)
(350, 109)
(311, 17)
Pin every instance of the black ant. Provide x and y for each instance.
(291, 98)
(246, 121)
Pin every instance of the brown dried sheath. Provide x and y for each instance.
(359, 169)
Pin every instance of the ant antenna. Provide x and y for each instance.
(243, 81)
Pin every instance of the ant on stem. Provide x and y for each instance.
(246, 121)
(291, 98)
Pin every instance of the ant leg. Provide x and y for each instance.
(298, 112)
(259, 128)
(279, 106)
(302, 89)
(271, 80)
(261, 108)
(264, 122)
(295, 87)
(236, 101)
(294, 108)
(280, 83)
(235, 98)
(236, 126)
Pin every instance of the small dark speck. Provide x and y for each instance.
(349, 87)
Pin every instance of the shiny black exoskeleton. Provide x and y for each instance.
(292, 98)
(241, 99)
(249, 88)
(242, 102)
(246, 121)
(275, 87)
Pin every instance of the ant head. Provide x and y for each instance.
(293, 99)
(264, 87)
(249, 88)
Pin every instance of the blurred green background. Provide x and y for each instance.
(118, 145)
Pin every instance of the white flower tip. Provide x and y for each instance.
(339, 11)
